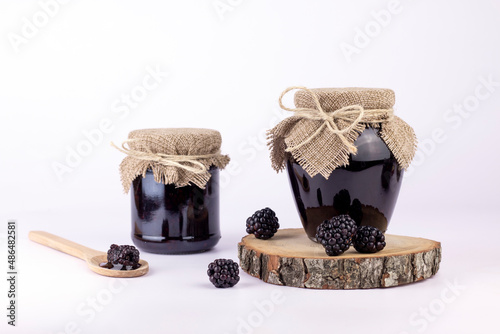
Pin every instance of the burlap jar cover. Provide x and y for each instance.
(179, 156)
(320, 135)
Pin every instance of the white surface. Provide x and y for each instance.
(227, 74)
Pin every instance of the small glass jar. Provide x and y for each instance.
(173, 177)
(175, 220)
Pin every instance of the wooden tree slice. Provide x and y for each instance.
(291, 259)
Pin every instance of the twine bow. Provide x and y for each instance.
(187, 162)
(353, 114)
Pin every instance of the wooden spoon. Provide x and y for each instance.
(93, 257)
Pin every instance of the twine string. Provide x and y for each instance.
(353, 114)
(189, 163)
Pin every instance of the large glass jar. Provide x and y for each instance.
(345, 152)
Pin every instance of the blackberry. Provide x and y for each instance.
(223, 273)
(125, 255)
(369, 239)
(263, 224)
(336, 234)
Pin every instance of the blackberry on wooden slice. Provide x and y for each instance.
(336, 234)
(263, 224)
(369, 239)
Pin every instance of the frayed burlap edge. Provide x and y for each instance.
(131, 168)
(403, 146)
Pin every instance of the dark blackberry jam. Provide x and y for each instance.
(366, 189)
(170, 220)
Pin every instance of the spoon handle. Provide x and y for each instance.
(63, 245)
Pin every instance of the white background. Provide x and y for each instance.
(226, 70)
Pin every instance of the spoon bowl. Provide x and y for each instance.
(93, 257)
(94, 264)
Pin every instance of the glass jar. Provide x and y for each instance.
(345, 152)
(173, 177)
(175, 220)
